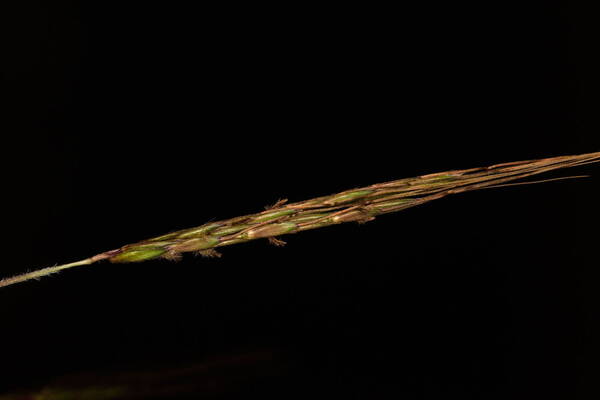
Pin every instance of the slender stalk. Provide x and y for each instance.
(49, 270)
(42, 272)
(355, 205)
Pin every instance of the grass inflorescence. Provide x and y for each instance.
(356, 205)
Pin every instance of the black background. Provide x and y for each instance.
(132, 119)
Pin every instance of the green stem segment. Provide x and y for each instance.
(356, 205)
(42, 272)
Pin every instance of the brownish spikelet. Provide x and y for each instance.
(365, 220)
(172, 256)
(276, 242)
(209, 253)
(277, 204)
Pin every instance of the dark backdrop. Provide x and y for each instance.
(132, 119)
